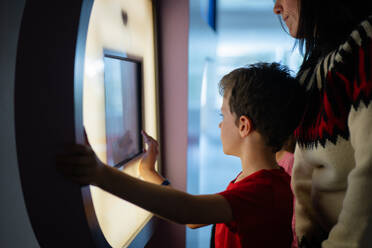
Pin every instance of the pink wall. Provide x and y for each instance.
(173, 30)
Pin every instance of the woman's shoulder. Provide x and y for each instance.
(341, 58)
(341, 80)
(352, 65)
(359, 38)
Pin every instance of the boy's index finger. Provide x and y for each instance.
(150, 141)
(144, 134)
(146, 137)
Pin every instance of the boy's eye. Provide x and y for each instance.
(220, 114)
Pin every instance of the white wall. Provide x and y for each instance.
(15, 227)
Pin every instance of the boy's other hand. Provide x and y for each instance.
(80, 164)
(151, 153)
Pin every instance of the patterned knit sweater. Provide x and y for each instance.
(332, 174)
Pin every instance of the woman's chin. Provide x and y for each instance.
(293, 33)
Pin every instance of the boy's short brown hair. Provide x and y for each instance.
(268, 95)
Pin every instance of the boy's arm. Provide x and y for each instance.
(147, 167)
(81, 165)
(165, 201)
(154, 177)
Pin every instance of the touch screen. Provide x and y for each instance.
(123, 112)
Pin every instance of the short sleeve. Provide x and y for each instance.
(248, 200)
(262, 209)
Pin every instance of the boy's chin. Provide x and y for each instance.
(226, 152)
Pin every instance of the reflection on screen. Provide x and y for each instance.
(123, 108)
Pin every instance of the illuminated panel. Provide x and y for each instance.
(125, 27)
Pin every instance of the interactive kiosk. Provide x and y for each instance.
(84, 64)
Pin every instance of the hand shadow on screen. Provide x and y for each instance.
(124, 148)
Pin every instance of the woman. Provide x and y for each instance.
(332, 174)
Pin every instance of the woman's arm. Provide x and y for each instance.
(354, 225)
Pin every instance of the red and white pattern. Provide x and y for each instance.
(339, 82)
(332, 174)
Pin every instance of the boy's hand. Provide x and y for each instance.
(149, 158)
(80, 164)
(147, 165)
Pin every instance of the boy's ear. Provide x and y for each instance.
(245, 126)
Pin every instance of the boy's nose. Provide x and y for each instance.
(219, 124)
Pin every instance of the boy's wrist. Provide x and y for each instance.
(148, 173)
(146, 169)
(101, 175)
(152, 176)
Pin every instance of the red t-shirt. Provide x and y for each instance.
(261, 205)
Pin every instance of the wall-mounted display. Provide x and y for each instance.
(98, 63)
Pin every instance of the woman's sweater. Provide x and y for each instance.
(332, 174)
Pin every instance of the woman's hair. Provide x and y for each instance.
(325, 24)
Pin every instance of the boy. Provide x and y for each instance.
(262, 106)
